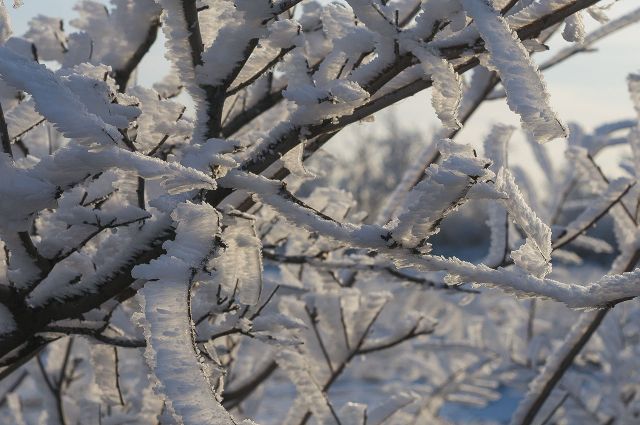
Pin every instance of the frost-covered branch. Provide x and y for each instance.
(607, 291)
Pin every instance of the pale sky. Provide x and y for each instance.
(589, 88)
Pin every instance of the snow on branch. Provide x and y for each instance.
(276, 195)
(168, 328)
(233, 41)
(5, 24)
(58, 98)
(495, 147)
(72, 164)
(374, 17)
(445, 187)
(297, 369)
(518, 73)
(609, 289)
(447, 86)
(238, 268)
(22, 118)
(535, 255)
(574, 28)
(535, 10)
(78, 277)
(176, 30)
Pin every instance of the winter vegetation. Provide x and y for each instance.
(190, 253)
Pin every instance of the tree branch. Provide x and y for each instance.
(123, 74)
(531, 407)
(32, 320)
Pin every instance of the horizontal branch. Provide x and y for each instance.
(383, 268)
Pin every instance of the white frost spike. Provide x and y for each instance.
(499, 225)
(337, 98)
(369, 308)
(175, 29)
(293, 161)
(54, 99)
(5, 24)
(97, 95)
(240, 266)
(77, 268)
(159, 117)
(495, 148)
(380, 414)
(174, 26)
(22, 118)
(212, 156)
(594, 294)
(447, 86)
(528, 258)
(598, 13)
(442, 191)
(484, 190)
(197, 226)
(535, 255)
(297, 369)
(173, 357)
(372, 15)
(284, 33)
(74, 163)
(535, 10)
(433, 13)
(171, 351)
(524, 216)
(227, 51)
(574, 28)
(129, 243)
(273, 193)
(526, 91)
